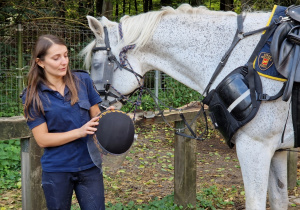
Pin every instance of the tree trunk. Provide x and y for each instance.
(150, 5)
(104, 8)
(166, 2)
(136, 8)
(117, 11)
(129, 7)
(226, 5)
(195, 3)
(146, 3)
(124, 7)
(99, 7)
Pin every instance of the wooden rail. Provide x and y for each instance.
(31, 153)
(184, 158)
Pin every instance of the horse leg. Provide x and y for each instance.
(255, 159)
(277, 188)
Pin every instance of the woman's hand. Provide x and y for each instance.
(111, 108)
(89, 128)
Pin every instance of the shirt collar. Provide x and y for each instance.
(44, 87)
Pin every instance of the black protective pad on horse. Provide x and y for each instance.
(230, 104)
(114, 135)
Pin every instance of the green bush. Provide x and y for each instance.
(10, 164)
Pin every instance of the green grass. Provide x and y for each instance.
(210, 198)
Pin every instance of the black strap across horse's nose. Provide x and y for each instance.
(106, 86)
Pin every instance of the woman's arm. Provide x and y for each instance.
(46, 139)
(94, 111)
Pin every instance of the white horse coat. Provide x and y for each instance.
(187, 44)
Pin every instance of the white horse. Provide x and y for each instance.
(187, 44)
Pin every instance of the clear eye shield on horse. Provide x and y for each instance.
(106, 69)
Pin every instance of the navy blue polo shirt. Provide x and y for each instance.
(61, 116)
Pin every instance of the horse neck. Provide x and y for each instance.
(189, 48)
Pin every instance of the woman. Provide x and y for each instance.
(59, 106)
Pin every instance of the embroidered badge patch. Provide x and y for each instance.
(265, 61)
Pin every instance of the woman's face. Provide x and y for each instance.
(55, 62)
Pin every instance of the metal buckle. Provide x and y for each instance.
(264, 97)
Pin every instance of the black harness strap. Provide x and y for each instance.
(250, 76)
(237, 37)
(256, 31)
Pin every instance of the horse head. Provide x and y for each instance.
(114, 76)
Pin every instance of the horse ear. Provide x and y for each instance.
(95, 26)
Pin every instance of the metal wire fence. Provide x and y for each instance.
(16, 44)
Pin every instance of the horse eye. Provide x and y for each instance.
(96, 65)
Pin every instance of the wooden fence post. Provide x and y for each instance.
(32, 192)
(184, 169)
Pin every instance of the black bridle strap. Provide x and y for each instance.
(111, 57)
(95, 49)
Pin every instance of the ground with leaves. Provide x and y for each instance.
(148, 170)
(148, 173)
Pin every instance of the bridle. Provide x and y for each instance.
(109, 70)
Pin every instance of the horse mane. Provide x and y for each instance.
(139, 29)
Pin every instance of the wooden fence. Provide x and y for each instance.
(184, 158)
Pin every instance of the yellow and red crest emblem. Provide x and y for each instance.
(265, 61)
